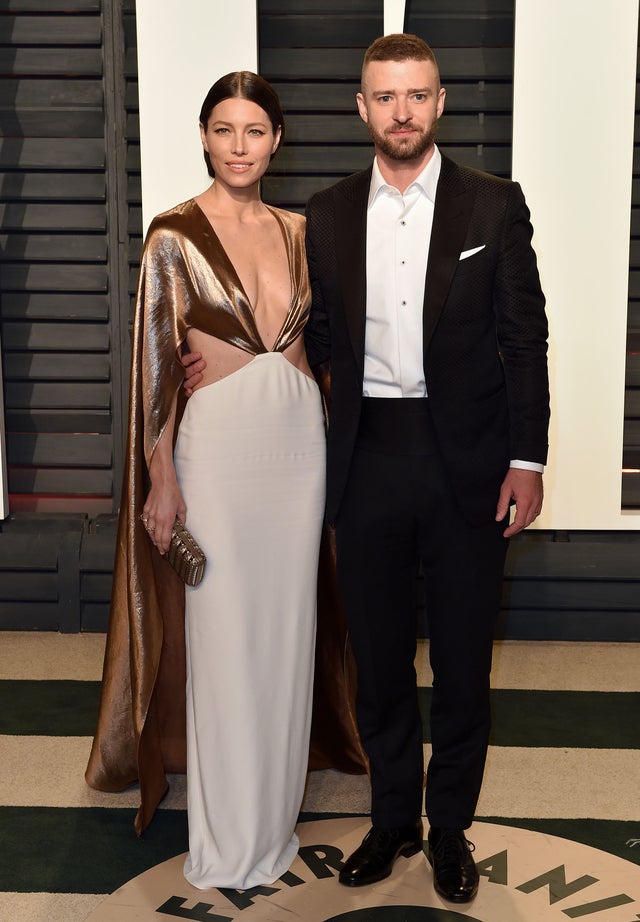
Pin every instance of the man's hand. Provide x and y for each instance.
(525, 488)
(194, 365)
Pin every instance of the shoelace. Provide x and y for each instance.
(379, 839)
(450, 847)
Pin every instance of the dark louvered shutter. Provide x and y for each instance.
(59, 302)
(312, 53)
(473, 45)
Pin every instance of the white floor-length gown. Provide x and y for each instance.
(250, 459)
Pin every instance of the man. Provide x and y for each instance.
(428, 313)
(438, 421)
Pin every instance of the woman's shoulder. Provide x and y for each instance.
(178, 218)
(170, 230)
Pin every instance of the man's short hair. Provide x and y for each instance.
(399, 46)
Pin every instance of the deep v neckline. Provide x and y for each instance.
(250, 314)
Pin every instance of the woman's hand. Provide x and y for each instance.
(164, 501)
(162, 505)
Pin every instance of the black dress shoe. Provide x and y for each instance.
(374, 859)
(455, 875)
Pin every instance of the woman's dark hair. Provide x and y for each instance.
(243, 84)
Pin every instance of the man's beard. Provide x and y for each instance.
(403, 148)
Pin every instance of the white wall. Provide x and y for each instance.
(574, 91)
(184, 46)
(394, 16)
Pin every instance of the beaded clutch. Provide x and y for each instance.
(185, 555)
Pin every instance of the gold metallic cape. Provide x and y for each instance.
(186, 280)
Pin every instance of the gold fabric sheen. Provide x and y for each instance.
(187, 280)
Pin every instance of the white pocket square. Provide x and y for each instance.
(466, 253)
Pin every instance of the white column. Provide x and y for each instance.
(394, 11)
(574, 93)
(184, 46)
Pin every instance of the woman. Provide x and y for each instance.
(225, 275)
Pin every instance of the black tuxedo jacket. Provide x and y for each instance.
(484, 329)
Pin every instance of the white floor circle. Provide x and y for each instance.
(525, 877)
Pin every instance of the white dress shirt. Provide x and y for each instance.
(398, 237)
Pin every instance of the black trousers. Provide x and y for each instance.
(399, 511)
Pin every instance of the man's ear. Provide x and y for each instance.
(362, 108)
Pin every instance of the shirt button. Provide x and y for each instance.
(402, 262)
(404, 303)
(403, 223)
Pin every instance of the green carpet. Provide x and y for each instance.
(45, 708)
(578, 719)
(94, 850)
(575, 719)
(82, 850)
(46, 848)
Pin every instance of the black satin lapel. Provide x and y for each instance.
(351, 255)
(451, 216)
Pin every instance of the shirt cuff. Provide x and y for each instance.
(527, 466)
